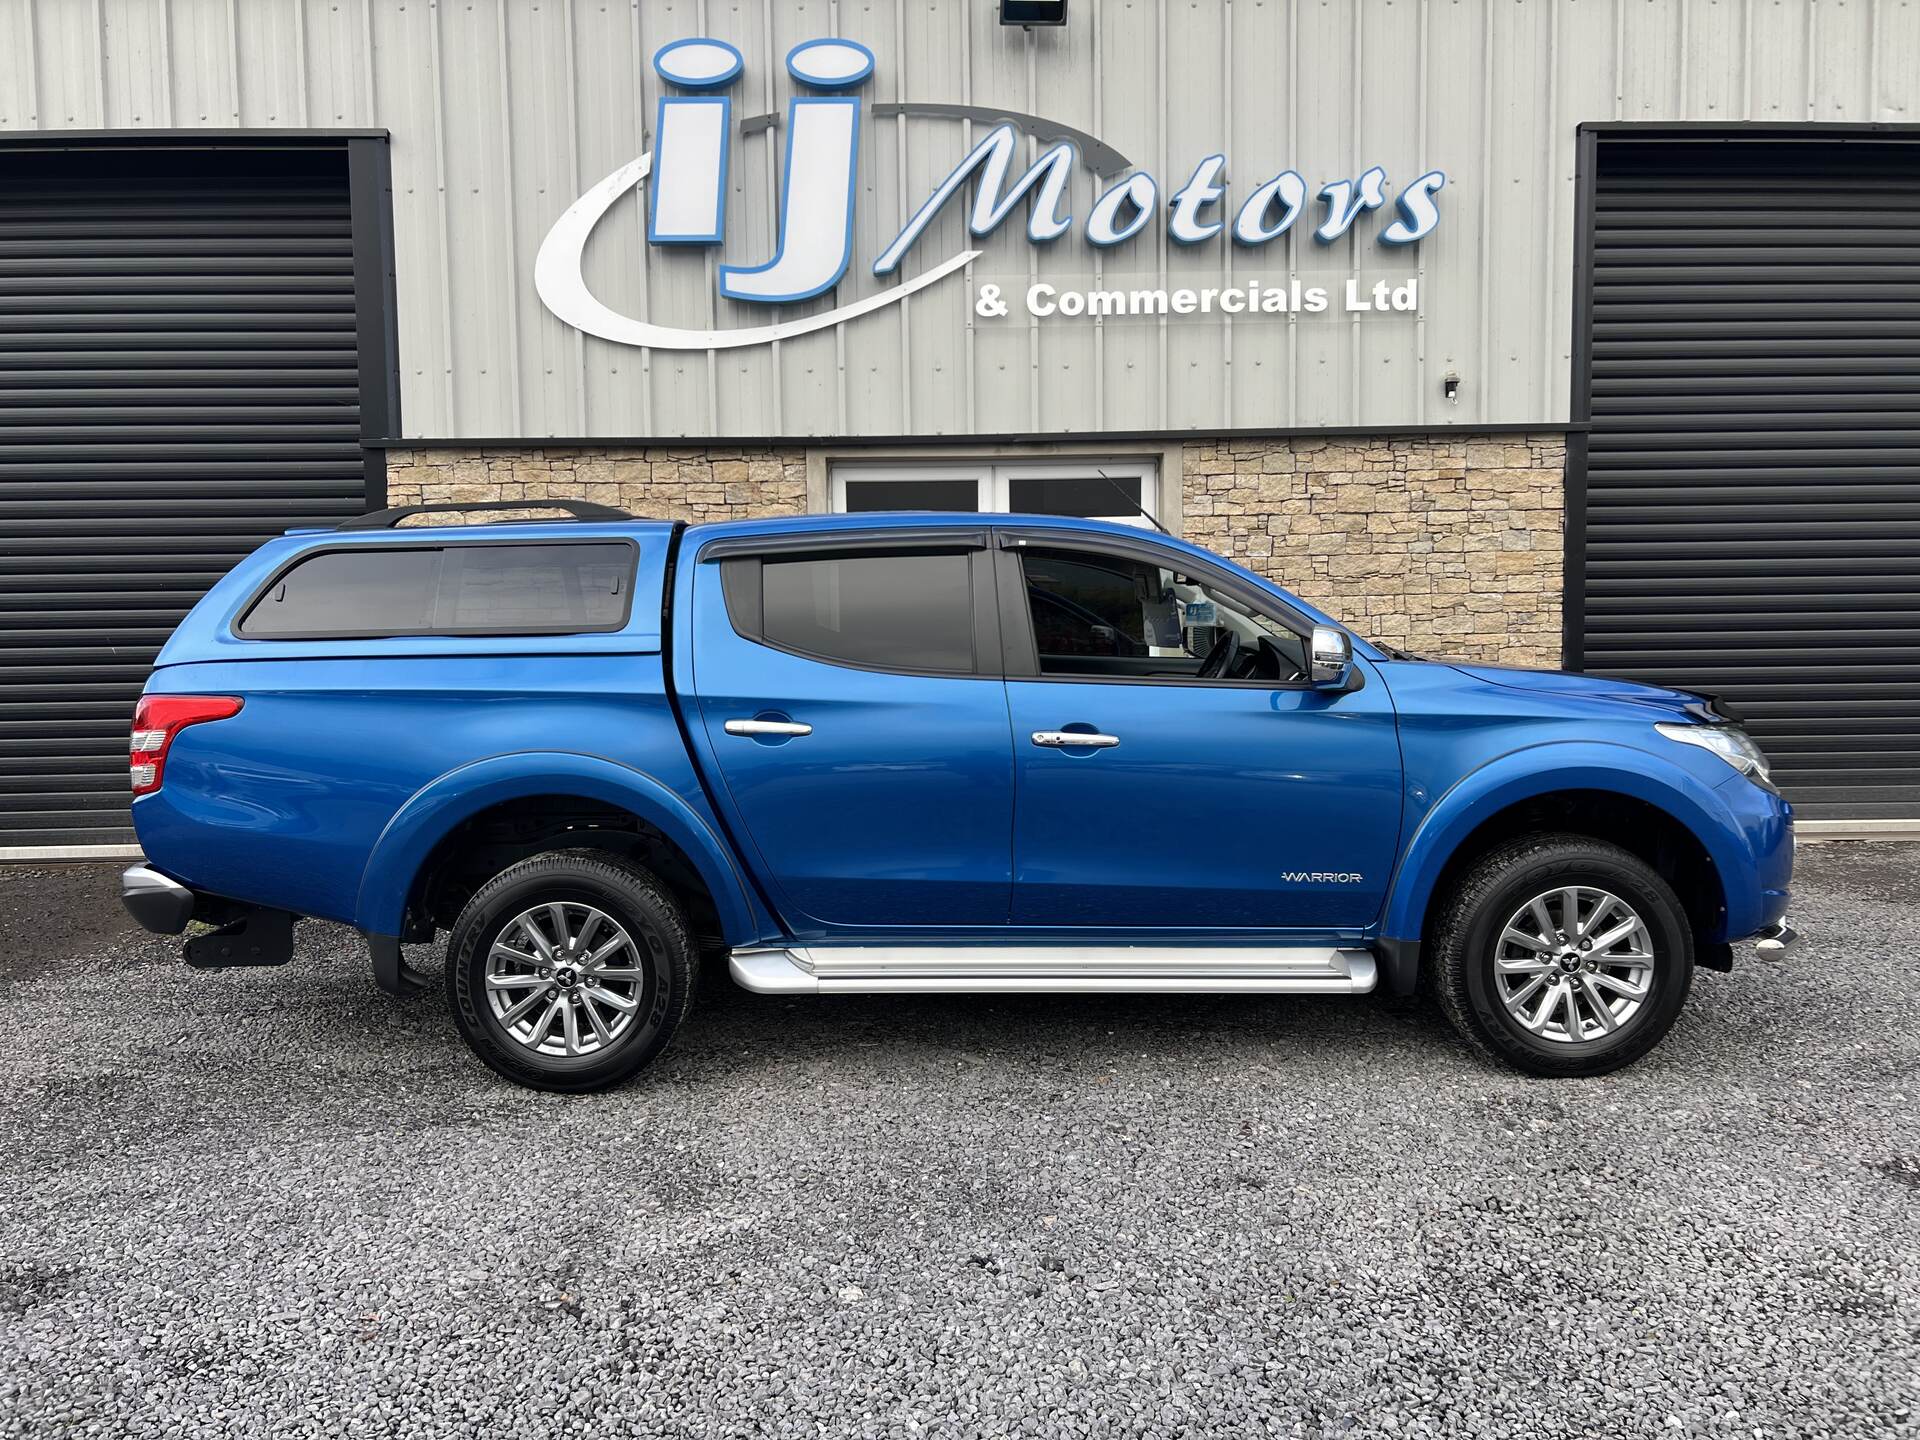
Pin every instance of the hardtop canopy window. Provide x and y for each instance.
(479, 588)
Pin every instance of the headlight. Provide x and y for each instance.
(1730, 743)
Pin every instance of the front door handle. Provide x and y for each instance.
(767, 727)
(1077, 739)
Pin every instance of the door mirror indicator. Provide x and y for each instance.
(1332, 657)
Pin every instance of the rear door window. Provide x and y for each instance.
(885, 611)
(553, 588)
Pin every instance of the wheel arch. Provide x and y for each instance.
(1583, 781)
(436, 813)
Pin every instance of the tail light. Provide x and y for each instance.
(156, 720)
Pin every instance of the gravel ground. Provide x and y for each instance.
(276, 1202)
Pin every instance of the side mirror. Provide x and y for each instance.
(1331, 657)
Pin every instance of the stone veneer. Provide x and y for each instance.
(693, 483)
(1446, 545)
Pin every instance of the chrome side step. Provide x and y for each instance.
(997, 969)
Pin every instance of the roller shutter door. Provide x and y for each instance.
(1753, 469)
(180, 384)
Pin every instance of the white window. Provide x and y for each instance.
(1098, 489)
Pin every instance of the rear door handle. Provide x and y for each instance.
(1078, 739)
(767, 727)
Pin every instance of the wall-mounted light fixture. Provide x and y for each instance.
(1450, 387)
(1028, 13)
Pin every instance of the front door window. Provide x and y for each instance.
(1098, 614)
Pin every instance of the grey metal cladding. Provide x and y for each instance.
(502, 111)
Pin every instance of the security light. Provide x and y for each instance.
(1033, 12)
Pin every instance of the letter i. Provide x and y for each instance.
(688, 186)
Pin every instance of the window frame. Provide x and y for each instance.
(1020, 654)
(742, 580)
(993, 480)
(237, 627)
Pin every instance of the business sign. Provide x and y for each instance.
(686, 178)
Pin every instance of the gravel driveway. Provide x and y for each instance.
(276, 1202)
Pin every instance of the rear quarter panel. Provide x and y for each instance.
(283, 804)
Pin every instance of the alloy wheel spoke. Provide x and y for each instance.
(1602, 1012)
(1538, 1019)
(1527, 991)
(599, 957)
(1525, 965)
(558, 915)
(514, 982)
(1570, 914)
(1619, 986)
(619, 973)
(570, 1025)
(1535, 943)
(545, 1022)
(618, 1002)
(519, 1010)
(588, 929)
(541, 945)
(1548, 930)
(600, 1031)
(1616, 934)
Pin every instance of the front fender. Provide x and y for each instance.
(457, 796)
(1541, 770)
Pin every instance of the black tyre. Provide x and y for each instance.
(1561, 955)
(570, 970)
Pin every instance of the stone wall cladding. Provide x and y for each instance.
(690, 483)
(1446, 546)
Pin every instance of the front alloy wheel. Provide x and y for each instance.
(1575, 963)
(1562, 955)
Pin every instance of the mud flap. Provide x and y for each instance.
(391, 971)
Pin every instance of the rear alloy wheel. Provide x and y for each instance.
(1562, 955)
(570, 970)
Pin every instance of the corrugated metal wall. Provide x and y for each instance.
(503, 110)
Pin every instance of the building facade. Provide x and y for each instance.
(1541, 331)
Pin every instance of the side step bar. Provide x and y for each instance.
(999, 969)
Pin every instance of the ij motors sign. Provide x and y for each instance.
(685, 175)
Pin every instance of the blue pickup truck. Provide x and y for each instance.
(912, 753)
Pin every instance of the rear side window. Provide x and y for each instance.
(891, 612)
(582, 587)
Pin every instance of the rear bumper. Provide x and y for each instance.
(160, 904)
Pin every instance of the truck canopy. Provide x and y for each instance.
(531, 587)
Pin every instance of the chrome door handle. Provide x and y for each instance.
(1060, 739)
(767, 727)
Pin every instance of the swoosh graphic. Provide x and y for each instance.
(562, 285)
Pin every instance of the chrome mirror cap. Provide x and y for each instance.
(1331, 655)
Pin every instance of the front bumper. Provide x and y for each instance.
(160, 904)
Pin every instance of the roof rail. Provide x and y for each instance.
(576, 510)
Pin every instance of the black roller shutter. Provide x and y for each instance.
(179, 381)
(1752, 476)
